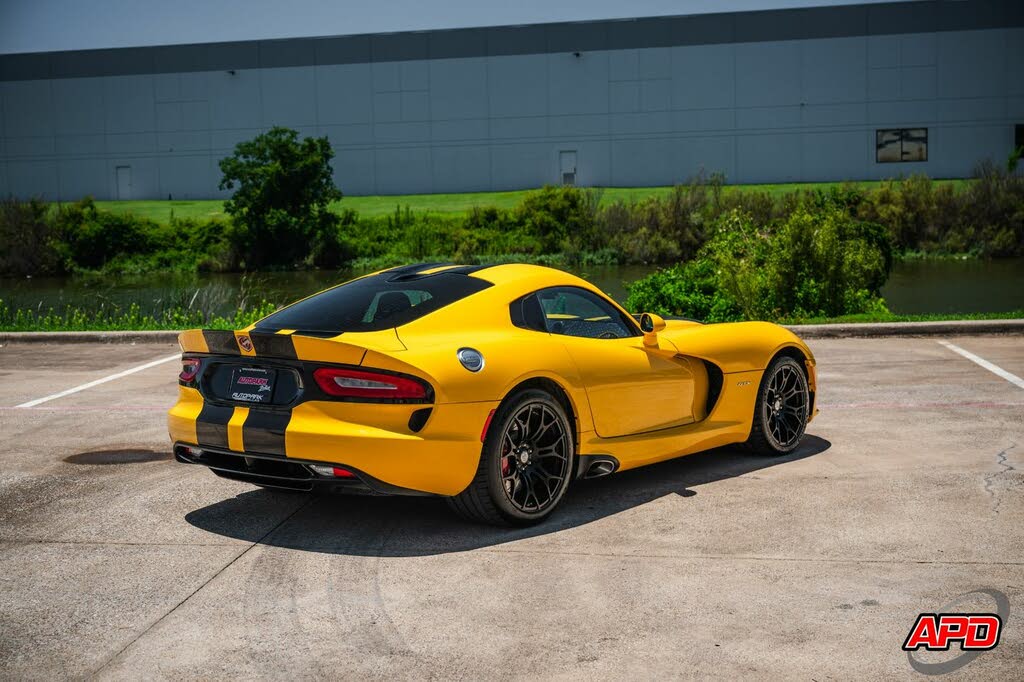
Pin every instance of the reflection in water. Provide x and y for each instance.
(956, 286)
(926, 286)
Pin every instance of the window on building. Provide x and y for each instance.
(1018, 135)
(896, 145)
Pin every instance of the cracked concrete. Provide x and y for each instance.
(1001, 460)
(117, 563)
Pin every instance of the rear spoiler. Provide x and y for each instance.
(289, 345)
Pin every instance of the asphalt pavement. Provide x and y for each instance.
(117, 562)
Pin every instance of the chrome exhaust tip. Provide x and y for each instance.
(600, 466)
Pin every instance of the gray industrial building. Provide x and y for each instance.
(821, 93)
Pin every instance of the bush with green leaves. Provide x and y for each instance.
(563, 225)
(84, 238)
(91, 238)
(28, 241)
(993, 213)
(690, 290)
(283, 187)
(815, 263)
(559, 217)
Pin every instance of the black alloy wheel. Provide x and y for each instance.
(782, 409)
(525, 464)
(534, 458)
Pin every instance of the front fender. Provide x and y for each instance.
(735, 346)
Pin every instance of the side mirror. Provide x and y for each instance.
(650, 325)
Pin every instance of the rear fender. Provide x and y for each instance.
(510, 358)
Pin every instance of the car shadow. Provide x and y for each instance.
(424, 526)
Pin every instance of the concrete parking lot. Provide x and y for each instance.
(117, 562)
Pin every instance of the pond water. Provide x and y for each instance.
(925, 286)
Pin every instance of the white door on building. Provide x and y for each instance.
(567, 162)
(124, 182)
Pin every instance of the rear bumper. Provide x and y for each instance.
(396, 455)
(285, 473)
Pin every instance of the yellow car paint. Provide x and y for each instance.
(181, 420)
(638, 403)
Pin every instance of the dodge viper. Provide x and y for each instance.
(496, 387)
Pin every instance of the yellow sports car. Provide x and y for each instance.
(493, 386)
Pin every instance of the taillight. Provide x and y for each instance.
(354, 383)
(189, 369)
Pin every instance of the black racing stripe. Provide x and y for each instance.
(263, 431)
(212, 425)
(273, 345)
(469, 269)
(318, 333)
(410, 269)
(221, 342)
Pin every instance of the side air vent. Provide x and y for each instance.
(714, 385)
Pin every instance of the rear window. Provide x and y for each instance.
(373, 303)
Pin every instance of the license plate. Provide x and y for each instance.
(252, 384)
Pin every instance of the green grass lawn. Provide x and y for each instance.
(370, 206)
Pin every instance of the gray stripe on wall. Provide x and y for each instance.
(788, 24)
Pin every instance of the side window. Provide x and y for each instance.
(526, 313)
(577, 312)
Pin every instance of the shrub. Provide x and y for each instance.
(669, 228)
(690, 289)
(284, 189)
(985, 218)
(330, 248)
(993, 211)
(562, 225)
(91, 238)
(559, 217)
(814, 264)
(86, 239)
(28, 243)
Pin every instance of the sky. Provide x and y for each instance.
(54, 25)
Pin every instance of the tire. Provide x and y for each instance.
(780, 419)
(526, 463)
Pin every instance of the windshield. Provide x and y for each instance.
(374, 303)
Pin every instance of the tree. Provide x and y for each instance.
(281, 209)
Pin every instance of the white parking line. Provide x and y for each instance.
(998, 371)
(97, 382)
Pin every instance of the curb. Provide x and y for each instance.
(805, 331)
(90, 337)
(888, 329)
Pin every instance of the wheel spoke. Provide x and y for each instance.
(544, 430)
(551, 450)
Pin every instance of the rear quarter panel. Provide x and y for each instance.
(510, 358)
